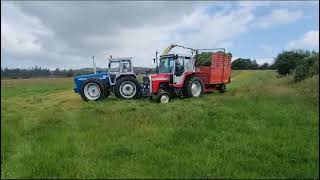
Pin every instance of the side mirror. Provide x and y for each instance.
(176, 56)
(154, 60)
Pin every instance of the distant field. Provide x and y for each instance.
(263, 127)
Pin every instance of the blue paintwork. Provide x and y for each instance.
(79, 80)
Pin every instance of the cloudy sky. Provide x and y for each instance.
(67, 34)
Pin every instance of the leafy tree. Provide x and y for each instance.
(70, 73)
(253, 65)
(307, 67)
(264, 66)
(288, 60)
(241, 64)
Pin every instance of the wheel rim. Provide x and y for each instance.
(92, 91)
(127, 89)
(164, 98)
(196, 89)
(223, 87)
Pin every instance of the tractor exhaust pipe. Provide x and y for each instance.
(155, 60)
(94, 65)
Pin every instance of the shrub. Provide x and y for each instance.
(288, 60)
(316, 65)
(307, 67)
(241, 64)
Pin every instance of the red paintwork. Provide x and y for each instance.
(157, 79)
(184, 77)
(219, 72)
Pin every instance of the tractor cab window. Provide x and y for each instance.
(126, 66)
(166, 65)
(114, 66)
(179, 66)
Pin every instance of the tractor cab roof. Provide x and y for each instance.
(171, 55)
(120, 59)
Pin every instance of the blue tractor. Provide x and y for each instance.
(119, 79)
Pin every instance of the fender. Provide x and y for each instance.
(79, 80)
(185, 75)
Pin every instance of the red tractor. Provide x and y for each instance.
(178, 75)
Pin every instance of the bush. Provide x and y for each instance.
(288, 60)
(307, 67)
(316, 65)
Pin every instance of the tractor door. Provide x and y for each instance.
(114, 69)
(178, 70)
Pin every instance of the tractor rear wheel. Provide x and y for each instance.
(127, 87)
(93, 90)
(193, 87)
(222, 88)
(163, 96)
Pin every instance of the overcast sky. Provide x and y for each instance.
(67, 34)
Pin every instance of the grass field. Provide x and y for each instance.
(263, 127)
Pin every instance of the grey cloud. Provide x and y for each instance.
(75, 24)
(78, 30)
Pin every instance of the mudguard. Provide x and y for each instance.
(79, 80)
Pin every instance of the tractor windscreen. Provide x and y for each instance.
(166, 65)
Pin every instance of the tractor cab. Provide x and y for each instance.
(120, 66)
(175, 65)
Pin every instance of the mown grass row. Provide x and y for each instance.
(263, 127)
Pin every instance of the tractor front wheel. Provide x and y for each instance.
(163, 96)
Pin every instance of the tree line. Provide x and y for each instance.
(246, 64)
(40, 72)
(300, 63)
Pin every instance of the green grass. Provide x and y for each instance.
(263, 127)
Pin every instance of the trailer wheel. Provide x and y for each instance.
(93, 90)
(193, 87)
(163, 96)
(222, 88)
(127, 87)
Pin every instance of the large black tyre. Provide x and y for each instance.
(93, 90)
(127, 87)
(189, 83)
(222, 88)
(163, 96)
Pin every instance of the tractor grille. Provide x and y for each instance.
(146, 80)
(146, 86)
